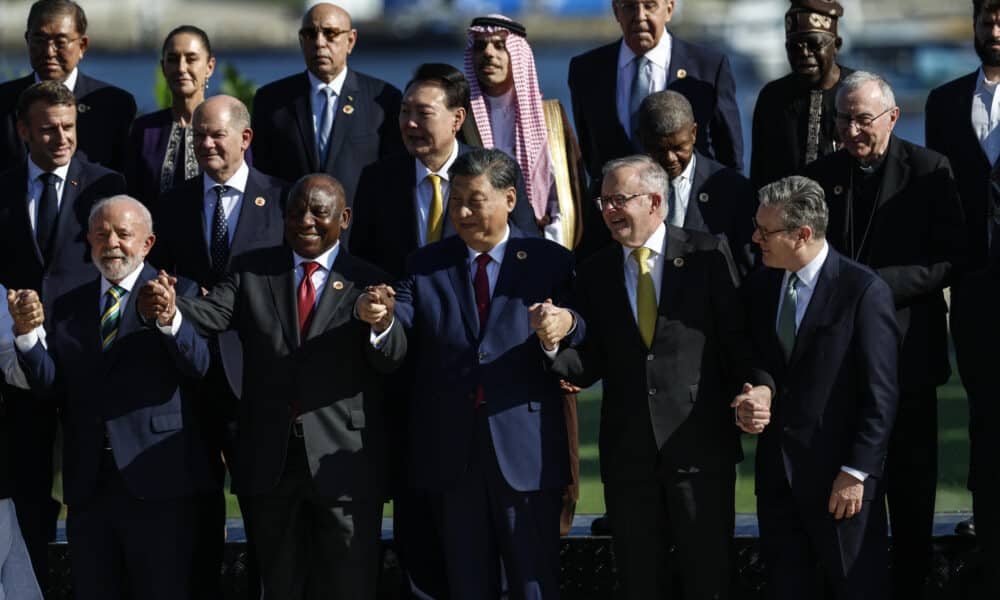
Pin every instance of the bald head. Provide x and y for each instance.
(221, 126)
(326, 38)
(317, 184)
(315, 215)
(325, 9)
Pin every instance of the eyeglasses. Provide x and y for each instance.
(844, 121)
(812, 46)
(328, 33)
(764, 233)
(43, 41)
(617, 201)
(630, 9)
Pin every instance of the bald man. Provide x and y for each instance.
(329, 119)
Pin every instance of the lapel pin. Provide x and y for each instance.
(338, 285)
(74, 182)
(350, 98)
(82, 108)
(703, 197)
(838, 190)
(521, 255)
(348, 109)
(682, 73)
(260, 201)
(678, 262)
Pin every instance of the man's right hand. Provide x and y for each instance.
(26, 309)
(157, 299)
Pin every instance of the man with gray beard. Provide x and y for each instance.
(133, 459)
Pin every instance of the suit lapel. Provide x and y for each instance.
(253, 220)
(672, 278)
(965, 118)
(304, 117)
(826, 289)
(693, 219)
(343, 121)
(335, 291)
(895, 177)
(458, 273)
(67, 207)
(283, 292)
(772, 292)
(605, 90)
(678, 60)
(512, 272)
(20, 210)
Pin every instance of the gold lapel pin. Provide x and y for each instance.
(348, 109)
(82, 108)
(678, 262)
(838, 190)
(350, 98)
(338, 285)
(682, 73)
(260, 201)
(521, 255)
(703, 197)
(74, 182)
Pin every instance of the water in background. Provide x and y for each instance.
(136, 73)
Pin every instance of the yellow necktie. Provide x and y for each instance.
(645, 297)
(435, 220)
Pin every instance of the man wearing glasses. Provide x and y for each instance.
(894, 207)
(57, 39)
(330, 119)
(793, 119)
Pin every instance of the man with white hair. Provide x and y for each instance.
(894, 207)
(133, 459)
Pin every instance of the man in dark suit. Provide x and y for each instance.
(959, 125)
(487, 436)
(313, 451)
(132, 455)
(202, 226)
(893, 207)
(57, 40)
(330, 119)
(669, 366)
(825, 328)
(43, 222)
(608, 84)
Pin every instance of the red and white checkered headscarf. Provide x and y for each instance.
(531, 142)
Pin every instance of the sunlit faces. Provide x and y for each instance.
(777, 243)
(55, 47)
(219, 143)
(632, 223)
(119, 240)
(864, 125)
(326, 39)
(478, 211)
(50, 133)
(314, 219)
(642, 22)
(186, 65)
(492, 63)
(427, 124)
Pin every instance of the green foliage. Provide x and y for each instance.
(161, 91)
(236, 85)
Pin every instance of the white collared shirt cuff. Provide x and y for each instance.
(173, 327)
(861, 475)
(27, 341)
(377, 339)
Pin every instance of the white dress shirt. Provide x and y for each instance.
(424, 192)
(320, 275)
(680, 187)
(657, 244)
(659, 62)
(317, 98)
(232, 201)
(69, 82)
(36, 187)
(986, 116)
(808, 276)
(492, 267)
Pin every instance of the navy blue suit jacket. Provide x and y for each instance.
(454, 354)
(384, 230)
(837, 395)
(284, 143)
(69, 264)
(139, 392)
(707, 83)
(104, 116)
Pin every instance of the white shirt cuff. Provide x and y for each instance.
(377, 339)
(173, 327)
(550, 354)
(855, 473)
(27, 341)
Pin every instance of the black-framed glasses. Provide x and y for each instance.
(863, 121)
(812, 46)
(764, 233)
(59, 42)
(630, 9)
(328, 33)
(616, 201)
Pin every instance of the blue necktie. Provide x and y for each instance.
(640, 89)
(220, 233)
(325, 124)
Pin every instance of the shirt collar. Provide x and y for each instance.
(34, 170)
(496, 252)
(659, 54)
(655, 242)
(810, 273)
(688, 170)
(423, 171)
(127, 284)
(325, 260)
(315, 84)
(983, 84)
(69, 82)
(237, 182)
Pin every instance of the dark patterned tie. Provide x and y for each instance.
(220, 234)
(481, 283)
(48, 210)
(111, 316)
(786, 318)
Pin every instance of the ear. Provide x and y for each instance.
(694, 130)
(211, 67)
(352, 38)
(510, 195)
(459, 118)
(83, 43)
(148, 244)
(655, 202)
(345, 218)
(22, 131)
(247, 138)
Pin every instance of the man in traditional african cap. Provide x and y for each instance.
(793, 120)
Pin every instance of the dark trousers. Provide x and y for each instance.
(123, 547)
(210, 539)
(911, 472)
(495, 536)
(311, 547)
(418, 545)
(809, 554)
(692, 511)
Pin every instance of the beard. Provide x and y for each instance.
(115, 271)
(989, 56)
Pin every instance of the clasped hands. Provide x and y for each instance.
(25, 308)
(376, 306)
(158, 299)
(550, 323)
(753, 408)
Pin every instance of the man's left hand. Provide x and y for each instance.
(753, 408)
(845, 500)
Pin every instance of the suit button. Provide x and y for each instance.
(652, 391)
(650, 357)
(483, 355)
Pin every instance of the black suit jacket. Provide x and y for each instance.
(701, 74)
(837, 395)
(665, 408)
(70, 264)
(334, 374)
(385, 212)
(917, 239)
(284, 143)
(104, 116)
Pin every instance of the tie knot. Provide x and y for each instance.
(48, 178)
(116, 291)
(434, 178)
(641, 254)
(220, 189)
(327, 91)
(308, 268)
(482, 260)
(793, 281)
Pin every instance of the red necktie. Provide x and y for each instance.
(481, 283)
(307, 296)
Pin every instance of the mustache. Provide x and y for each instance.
(113, 254)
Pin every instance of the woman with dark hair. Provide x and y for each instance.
(162, 144)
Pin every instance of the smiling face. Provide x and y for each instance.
(119, 240)
(186, 65)
(55, 46)
(634, 222)
(427, 124)
(315, 217)
(50, 133)
(777, 245)
(219, 141)
(865, 103)
(492, 63)
(478, 211)
(326, 39)
(642, 22)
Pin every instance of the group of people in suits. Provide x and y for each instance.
(338, 308)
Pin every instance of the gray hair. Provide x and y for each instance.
(144, 214)
(497, 165)
(664, 113)
(800, 201)
(651, 175)
(239, 116)
(859, 79)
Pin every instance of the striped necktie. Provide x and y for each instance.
(111, 316)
